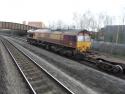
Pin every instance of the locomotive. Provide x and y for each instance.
(68, 42)
(72, 43)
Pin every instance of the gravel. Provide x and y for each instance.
(11, 80)
(3, 88)
(96, 80)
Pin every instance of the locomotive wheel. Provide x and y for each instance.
(78, 57)
(68, 54)
(47, 47)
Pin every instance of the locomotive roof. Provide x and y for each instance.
(74, 32)
(39, 30)
(68, 32)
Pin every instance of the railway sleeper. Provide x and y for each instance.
(34, 78)
(41, 90)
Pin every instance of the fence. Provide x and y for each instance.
(108, 47)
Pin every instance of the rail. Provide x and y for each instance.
(23, 71)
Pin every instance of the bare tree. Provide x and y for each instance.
(85, 20)
(56, 25)
(107, 20)
(59, 24)
(52, 25)
(76, 18)
(100, 18)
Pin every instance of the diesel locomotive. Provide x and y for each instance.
(68, 42)
(71, 43)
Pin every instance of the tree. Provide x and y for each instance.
(100, 18)
(51, 25)
(107, 20)
(59, 24)
(85, 20)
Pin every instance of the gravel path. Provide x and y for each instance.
(11, 80)
(94, 79)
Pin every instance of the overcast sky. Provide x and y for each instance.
(53, 10)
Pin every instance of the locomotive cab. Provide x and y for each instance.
(83, 41)
(83, 37)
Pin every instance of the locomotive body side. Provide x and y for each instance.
(57, 38)
(72, 41)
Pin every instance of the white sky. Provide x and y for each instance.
(53, 10)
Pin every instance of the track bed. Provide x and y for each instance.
(38, 80)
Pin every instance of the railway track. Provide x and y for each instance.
(112, 68)
(38, 80)
(94, 81)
